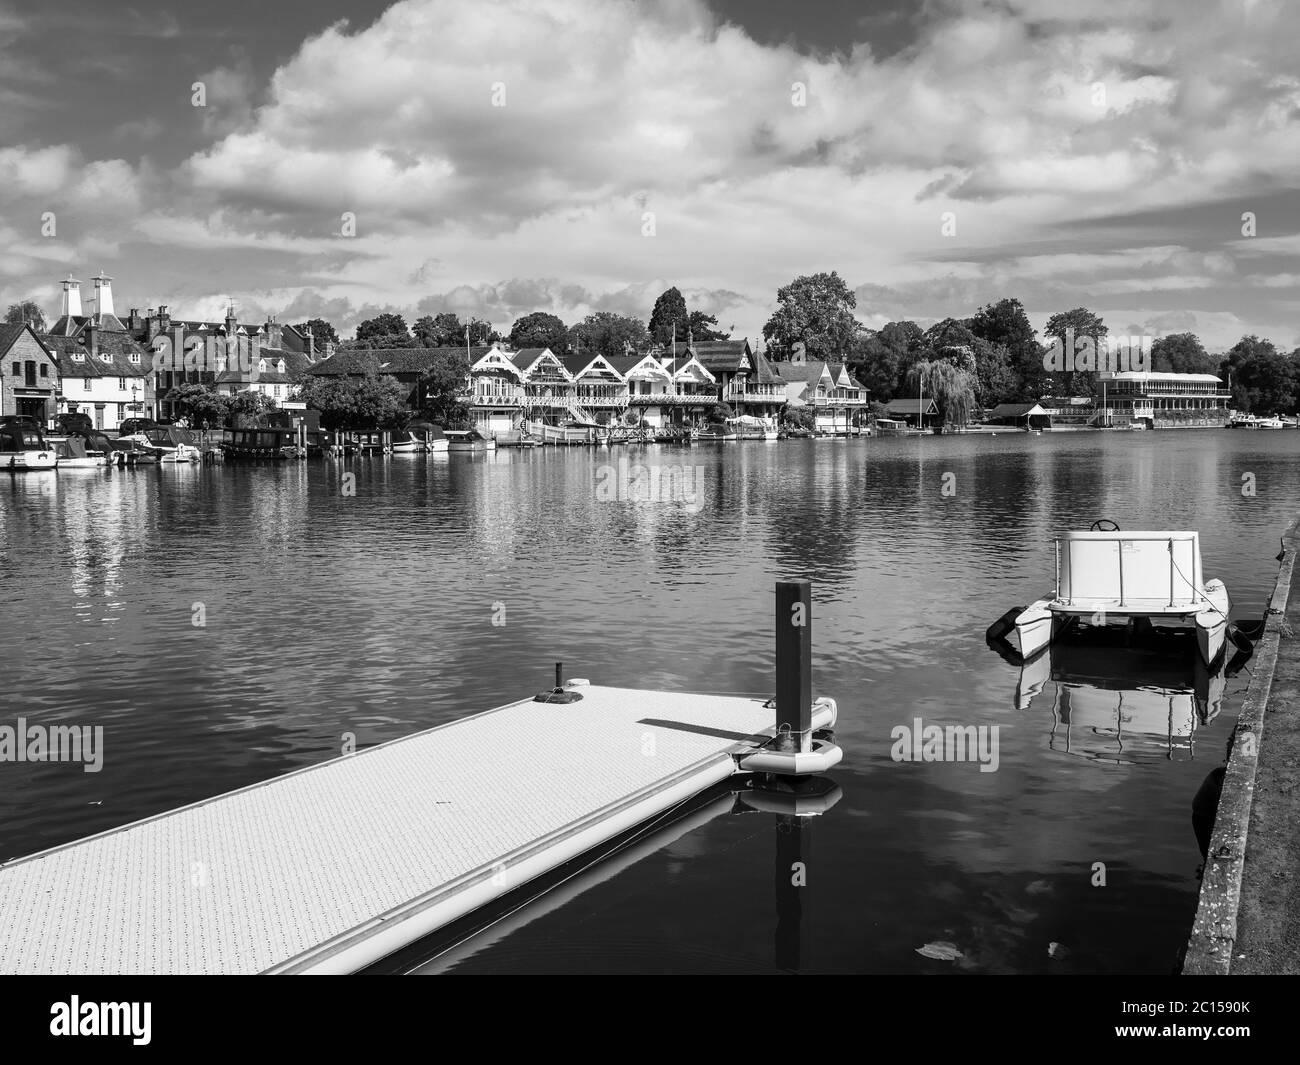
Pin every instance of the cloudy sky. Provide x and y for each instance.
(505, 156)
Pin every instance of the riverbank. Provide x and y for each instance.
(1248, 915)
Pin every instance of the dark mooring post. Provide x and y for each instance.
(794, 663)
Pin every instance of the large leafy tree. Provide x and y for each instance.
(384, 326)
(202, 405)
(700, 326)
(26, 311)
(817, 310)
(875, 364)
(1068, 327)
(1264, 380)
(372, 401)
(446, 330)
(669, 310)
(443, 386)
(249, 407)
(1182, 353)
(320, 329)
(539, 330)
(609, 334)
(881, 360)
(443, 330)
(1005, 324)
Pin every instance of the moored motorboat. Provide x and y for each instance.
(170, 444)
(73, 454)
(716, 432)
(468, 440)
(25, 448)
(407, 443)
(1108, 577)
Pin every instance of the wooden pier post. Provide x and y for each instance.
(794, 665)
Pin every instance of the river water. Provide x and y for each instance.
(366, 605)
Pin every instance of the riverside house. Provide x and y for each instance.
(269, 357)
(746, 380)
(838, 400)
(29, 374)
(664, 392)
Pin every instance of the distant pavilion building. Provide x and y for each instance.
(1162, 400)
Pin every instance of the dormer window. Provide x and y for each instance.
(135, 357)
(279, 366)
(261, 366)
(78, 356)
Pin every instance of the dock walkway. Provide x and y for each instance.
(331, 867)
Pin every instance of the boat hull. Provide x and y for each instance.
(28, 460)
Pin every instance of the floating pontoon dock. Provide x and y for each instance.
(332, 867)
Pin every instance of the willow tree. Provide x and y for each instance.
(951, 387)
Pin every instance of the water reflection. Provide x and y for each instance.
(1122, 705)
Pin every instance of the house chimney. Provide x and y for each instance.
(311, 346)
(71, 298)
(103, 296)
(231, 322)
(92, 339)
(274, 333)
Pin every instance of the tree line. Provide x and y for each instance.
(993, 356)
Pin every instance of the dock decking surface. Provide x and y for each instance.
(265, 877)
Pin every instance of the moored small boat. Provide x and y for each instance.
(25, 448)
(75, 455)
(716, 432)
(468, 440)
(1108, 577)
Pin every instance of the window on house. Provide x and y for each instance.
(121, 384)
(85, 384)
(29, 377)
(135, 357)
(78, 357)
(18, 369)
(121, 412)
(45, 370)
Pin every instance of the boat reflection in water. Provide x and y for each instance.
(1123, 704)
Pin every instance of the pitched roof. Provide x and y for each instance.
(721, 354)
(1015, 410)
(812, 370)
(768, 374)
(9, 335)
(525, 357)
(911, 406)
(119, 347)
(575, 364)
(625, 364)
(68, 326)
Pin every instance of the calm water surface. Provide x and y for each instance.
(372, 614)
